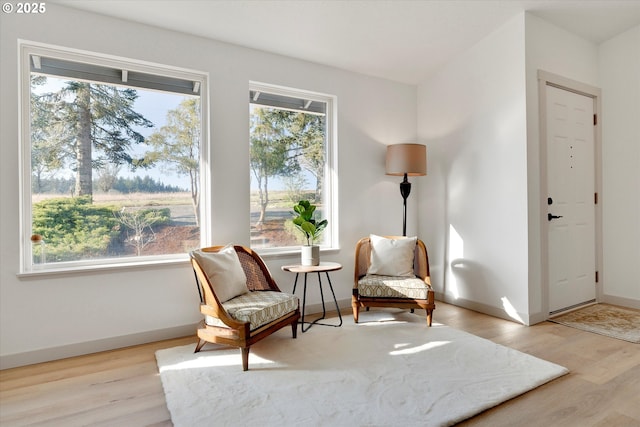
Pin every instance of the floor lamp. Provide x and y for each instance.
(406, 160)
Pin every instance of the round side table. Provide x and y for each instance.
(324, 267)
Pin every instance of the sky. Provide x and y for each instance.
(154, 106)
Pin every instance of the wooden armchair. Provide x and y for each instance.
(239, 317)
(410, 291)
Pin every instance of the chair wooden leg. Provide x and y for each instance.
(199, 346)
(356, 312)
(294, 329)
(429, 316)
(245, 358)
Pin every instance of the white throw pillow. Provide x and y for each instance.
(392, 257)
(224, 272)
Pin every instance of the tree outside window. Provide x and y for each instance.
(115, 169)
(289, 144)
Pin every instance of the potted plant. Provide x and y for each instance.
(312, 230)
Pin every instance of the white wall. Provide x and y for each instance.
(557, 51)
(63, 315)
(619, 67)
(473, 209)
(478, 116)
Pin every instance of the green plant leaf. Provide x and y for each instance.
(308, 228)
(305, 223)
(321, 225)
(305, 204)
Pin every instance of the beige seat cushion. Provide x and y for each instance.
(373, 285)
(258, 308)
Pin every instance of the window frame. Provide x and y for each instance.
(27, 49)
(331, 241)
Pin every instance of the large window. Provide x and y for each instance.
(292, 148)
(111, 160)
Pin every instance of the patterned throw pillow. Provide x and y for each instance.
(392, 257)
(224, 272)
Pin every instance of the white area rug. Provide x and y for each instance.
(388, 370)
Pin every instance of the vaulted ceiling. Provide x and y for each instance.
(401, 40)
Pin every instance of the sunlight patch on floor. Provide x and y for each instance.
(419, 348)
(213, 360)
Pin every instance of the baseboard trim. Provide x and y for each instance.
(15, 360)
(89, 347)
(537, 318)
(532, 318)
(501, 313)
(621, 301)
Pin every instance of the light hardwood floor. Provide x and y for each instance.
(122, 387)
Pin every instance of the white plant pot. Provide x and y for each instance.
(310, 255)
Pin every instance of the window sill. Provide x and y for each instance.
(146, 264)
(290, 252)
(93, 268)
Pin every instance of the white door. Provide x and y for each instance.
(571, 199)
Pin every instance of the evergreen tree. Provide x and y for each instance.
(312, 144)
(92, 118)
(48, 144)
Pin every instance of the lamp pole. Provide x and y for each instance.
(405, 189)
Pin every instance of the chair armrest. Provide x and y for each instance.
(207, 310)
(220, 314)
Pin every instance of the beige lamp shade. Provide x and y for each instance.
(406, 158)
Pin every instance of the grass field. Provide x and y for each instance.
(130, 199)
(281, 200)
(278, 200)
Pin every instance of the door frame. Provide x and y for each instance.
(549, 79)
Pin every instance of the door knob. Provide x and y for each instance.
(551, 216)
